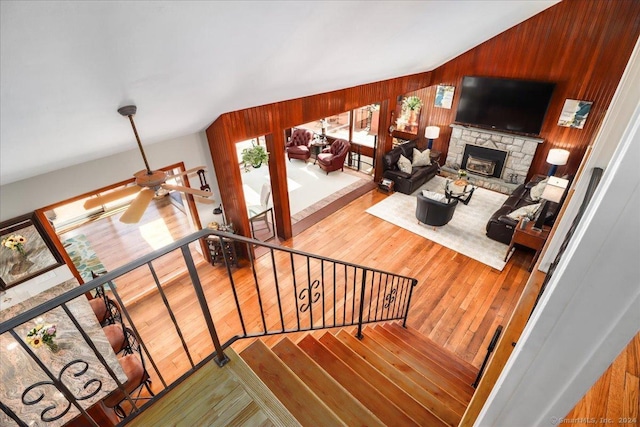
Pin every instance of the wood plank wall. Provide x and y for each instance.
(274, 119)
(582, 45)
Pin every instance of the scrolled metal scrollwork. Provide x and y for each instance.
(390, 297)
(45, 416)
(308, 293)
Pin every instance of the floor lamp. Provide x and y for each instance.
(556, 157)
(553, 192)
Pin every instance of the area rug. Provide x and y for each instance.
(83, 256)
(465, 233)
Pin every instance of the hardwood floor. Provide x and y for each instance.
(458, 302)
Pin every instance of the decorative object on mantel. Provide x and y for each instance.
(462, 173)
(26, 251)
(444, 96)
(556, 157)
(431, 133)
(574, 113)
(43, 334)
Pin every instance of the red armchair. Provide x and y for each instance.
(332, 157)
(298, 146)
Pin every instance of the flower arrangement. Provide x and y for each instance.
(42, 334)
(16, 243)
(462, 173)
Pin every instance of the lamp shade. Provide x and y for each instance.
(432, 132)
(557, 156)
(554, 190)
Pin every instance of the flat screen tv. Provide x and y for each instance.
(510, 105)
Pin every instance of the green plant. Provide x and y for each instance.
(412, 103)
(254, 156)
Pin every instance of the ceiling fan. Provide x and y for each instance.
(147, 183)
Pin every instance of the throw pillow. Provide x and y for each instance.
(404, 164)
(536, 191)
(434, 196)
(421, 159)
(527, 211)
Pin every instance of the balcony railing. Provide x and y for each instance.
(186, 324)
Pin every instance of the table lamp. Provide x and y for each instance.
(431, 133)
(557, 157)
(553, 192)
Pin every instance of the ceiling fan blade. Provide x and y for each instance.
(187, 172)
(204, 200)
(136, 209)
(188, 190)
(111, 197)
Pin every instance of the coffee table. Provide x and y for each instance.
(460, 189)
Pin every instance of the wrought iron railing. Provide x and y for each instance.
(187, 323)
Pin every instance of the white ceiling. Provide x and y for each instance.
(66, 66)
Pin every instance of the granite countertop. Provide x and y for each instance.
(18, 370)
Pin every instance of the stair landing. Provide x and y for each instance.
(214, 396)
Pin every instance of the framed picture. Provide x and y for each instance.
(26, 251)
(574, 113)
(444, 96)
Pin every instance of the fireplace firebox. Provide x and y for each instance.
(483, 161)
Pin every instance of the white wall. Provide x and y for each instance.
(25, 196)
(591, 308)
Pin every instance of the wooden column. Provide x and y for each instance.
(279, 187)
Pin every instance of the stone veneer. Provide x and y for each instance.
(520, 149)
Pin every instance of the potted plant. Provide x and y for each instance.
(254, 156)
(412, 105)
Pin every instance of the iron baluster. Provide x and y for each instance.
(275, 280)
(295, 289)
(255, 281)
(220, 359)
(361, 310)
(406, 310)
(173, 317)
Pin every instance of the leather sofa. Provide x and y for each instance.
(404, 182)
(332, 158)
(501, 227)
(298, 145)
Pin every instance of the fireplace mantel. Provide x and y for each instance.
(501, 134)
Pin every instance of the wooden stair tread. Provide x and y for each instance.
(454, 387)
(303, 404)
(377, 403)
(218, 397)
(351, 411)
(447, 360)
(429, 395)
(397, 395)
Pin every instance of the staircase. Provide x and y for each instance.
(394, 376)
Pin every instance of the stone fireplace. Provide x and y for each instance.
(498, 161)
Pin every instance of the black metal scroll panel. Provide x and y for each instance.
(37, 392)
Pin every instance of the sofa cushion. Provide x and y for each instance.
(536, 191)
(407, 149)
(421, 158)
(524, 211)
(404, 164)
(390, 160)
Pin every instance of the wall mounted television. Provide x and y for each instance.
(511, 105)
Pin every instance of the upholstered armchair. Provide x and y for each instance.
(332, 157)
(433, 212)
(298, 145)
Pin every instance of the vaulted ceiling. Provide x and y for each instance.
(66, 66)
